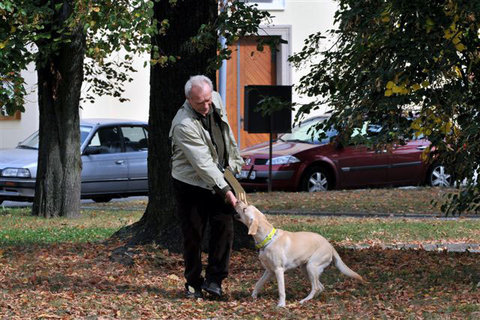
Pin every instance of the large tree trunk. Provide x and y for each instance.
(167, 82)
(60, 76)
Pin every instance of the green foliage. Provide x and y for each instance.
(412, 66)
(17, 25)
(236, 19)
(116, 30)
(32, 30)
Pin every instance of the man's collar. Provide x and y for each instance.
(200, 116)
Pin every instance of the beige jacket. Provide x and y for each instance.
(194, 158)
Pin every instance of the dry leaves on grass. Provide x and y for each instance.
(393, 200)
(388, 200)
(71, 281)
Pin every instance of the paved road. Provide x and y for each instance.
(17, 204)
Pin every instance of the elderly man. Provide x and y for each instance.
(203, 146)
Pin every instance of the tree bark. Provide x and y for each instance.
(159, 223)
(60, 76)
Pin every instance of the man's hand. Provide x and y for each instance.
(230, 198)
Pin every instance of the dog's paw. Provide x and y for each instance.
(281, 304)
(254, 296)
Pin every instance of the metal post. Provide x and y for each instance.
(239, 99)
(222, 73)
(270, 147)
(222, 76)
(270, 163)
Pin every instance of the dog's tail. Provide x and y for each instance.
(344, 268)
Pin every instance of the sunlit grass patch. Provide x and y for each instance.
(383, 230)
(18, 226)
(53, 235)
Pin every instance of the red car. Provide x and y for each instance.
(302, 164)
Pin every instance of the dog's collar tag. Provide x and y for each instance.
(267, 240)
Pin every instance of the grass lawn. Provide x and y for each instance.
(61, 268)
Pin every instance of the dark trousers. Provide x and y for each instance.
(195, 207)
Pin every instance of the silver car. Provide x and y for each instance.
(114, 156)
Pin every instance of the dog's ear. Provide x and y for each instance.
(252, 229)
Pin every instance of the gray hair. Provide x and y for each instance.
(197, 81)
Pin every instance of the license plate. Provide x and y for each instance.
(244, 175)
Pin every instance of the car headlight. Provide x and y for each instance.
(283, 160)
(15, 172)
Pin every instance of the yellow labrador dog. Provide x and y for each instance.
(282, 250)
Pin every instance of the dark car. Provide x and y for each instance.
(114, 158)
(303, 163)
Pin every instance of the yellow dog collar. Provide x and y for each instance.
(267, 240)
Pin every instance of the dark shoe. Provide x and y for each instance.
(193, 293)
(212, 288)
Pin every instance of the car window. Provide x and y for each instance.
(106, 140)
(84, 132)
(135, 138)
(32, 141)
(368, 129)
(306, 132)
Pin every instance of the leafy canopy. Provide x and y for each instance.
(412, 66)
(235, 19)
(33, 30)
(115, 31)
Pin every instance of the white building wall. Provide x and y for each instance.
(14, 131)
(137, 91)
(305, 18)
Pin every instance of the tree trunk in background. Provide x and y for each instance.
(166, 96)
(60, 77)
(159, 222)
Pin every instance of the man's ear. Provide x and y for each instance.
(252, 229)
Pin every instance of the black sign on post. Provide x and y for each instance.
(278, 121)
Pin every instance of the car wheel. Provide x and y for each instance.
(102, 199)
(317, 179)
(439, 177)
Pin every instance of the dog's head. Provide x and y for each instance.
(248, 215)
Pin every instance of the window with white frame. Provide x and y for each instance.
(268, 4)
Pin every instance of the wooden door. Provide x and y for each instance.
(247, 67)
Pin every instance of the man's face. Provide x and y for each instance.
(201, 99)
